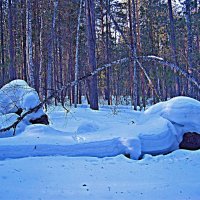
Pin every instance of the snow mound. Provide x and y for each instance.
(88, 127)
(166, 122)
(182, 112)
(17, 94)
(158, 136)
(16, 98)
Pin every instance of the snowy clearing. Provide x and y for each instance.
(81, 154)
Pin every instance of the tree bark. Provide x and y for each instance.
(173, 45)
(77, 55)
(12, 72)
(189, 39)
(29, 45)
(91, 39)
(108, 55)
(134, 51)
(50, 51)
(2, 43)
(23, 24)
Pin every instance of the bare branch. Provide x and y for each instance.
(172, 67)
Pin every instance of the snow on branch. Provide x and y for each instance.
(172, 66)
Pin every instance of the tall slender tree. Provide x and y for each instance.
(77, 54)
(50, 51)
(108, 54)
(29, 43)
(2, 42)
(173, 44)
(189, 39)
(91, 40)
(134, 55)
(12, 70)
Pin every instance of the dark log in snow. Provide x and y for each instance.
(41, 120)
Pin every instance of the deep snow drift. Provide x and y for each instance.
(103, 134)
(158, 130)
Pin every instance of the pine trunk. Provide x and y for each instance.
(91, 39)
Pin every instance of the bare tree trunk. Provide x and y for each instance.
(41, 78)
(50, 52)
(2, 43)
(173, 45)
(24, 70)
(12, 72)
(91, 39)
(60, 61)
(131, 44)
(189, 38)
(135, 70)
(108, 52)
(77, 55)
(29, 43)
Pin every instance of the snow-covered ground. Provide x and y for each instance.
(80, 155)
(172, 177)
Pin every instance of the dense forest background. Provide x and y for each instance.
(50, 43)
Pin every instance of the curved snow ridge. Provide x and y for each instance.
(98, 149)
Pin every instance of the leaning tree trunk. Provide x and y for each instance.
(91, 39)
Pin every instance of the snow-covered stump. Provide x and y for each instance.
(17, 98)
